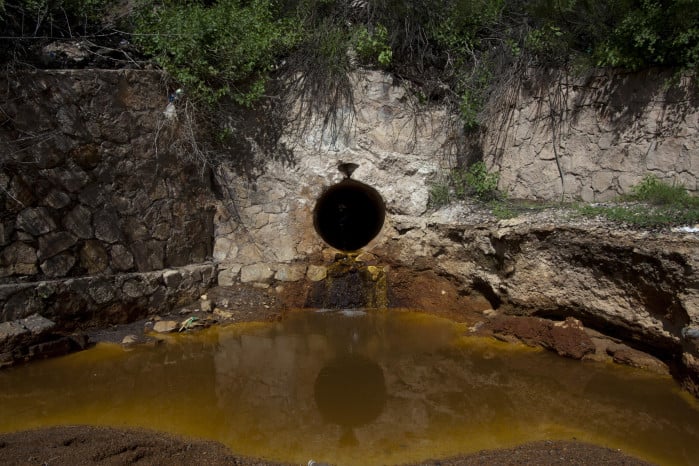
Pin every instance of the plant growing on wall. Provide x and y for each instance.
(475, 182)
(372, 46)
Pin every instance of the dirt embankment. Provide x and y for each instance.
(78, 445)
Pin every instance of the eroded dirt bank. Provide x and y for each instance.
(635, 286)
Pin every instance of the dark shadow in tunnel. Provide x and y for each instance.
(349, 214)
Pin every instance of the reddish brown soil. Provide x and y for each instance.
(81, 445)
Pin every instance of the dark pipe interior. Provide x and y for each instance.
(349, 214)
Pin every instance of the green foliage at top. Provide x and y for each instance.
(630, 34)
(223, 49)
(464, 23)
(372, 46)
(454, 49)
(483, 184)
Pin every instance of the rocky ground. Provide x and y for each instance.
(77, 445)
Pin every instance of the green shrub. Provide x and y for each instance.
(482, 184)
(654, 191)
(439, 194)
(372, 46)
(225, 49)
(475, 182)
(660, 205)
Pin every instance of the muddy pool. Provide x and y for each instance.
(355, 387)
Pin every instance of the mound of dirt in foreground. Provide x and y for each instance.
(76, 445)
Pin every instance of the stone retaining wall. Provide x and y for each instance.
(92, 301)
(91, 181)
(593, 137)
(101, 212)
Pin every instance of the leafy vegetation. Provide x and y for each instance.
(372, 46)
(255, 52)
(476, 182)
(218, 50)
(652, 203)
(454, 49)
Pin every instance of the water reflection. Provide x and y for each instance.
(355, 388)
(350, 391)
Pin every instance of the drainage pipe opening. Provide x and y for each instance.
(349, 214)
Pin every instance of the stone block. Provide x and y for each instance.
(587, 194)
(316, 273)
(627, 181)
(11, 330)
(18, 258)
(58, 266)
(93, 257)
(51, 244)
(35, 221)
(257, 273)
(602, 181)
(102, 293)
(248, 254)
(172, 278)
(121, 258)
(106, 225)
(202, 273)
(224, 248)
(78, 222)
(290, 272)
(36, 324)
(229, 276)
(134, 288)
(56, 199)
(20, 194)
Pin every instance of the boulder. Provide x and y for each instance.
(165, 326)
(35, 221)
(51, 244)
(93, 257)
(58, 265)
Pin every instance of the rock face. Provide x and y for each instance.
(635, 285)
(102, 300)
(106, 217)
(592, 137)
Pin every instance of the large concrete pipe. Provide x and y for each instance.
(349, 214)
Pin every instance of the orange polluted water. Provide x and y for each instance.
(354, 387)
